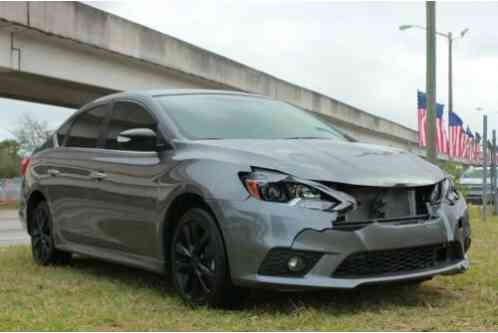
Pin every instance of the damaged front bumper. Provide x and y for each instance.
(316, 278)
(260, 234)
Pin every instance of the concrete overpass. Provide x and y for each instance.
(68, 53)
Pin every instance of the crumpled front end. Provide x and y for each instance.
(389, 234)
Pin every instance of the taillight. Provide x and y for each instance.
(24, 165)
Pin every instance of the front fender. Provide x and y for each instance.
(211, 179)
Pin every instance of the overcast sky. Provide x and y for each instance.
(351, 51)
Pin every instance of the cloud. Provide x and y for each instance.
(351, 51)
(12, 110)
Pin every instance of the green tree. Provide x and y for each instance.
(9, 158)
(30, 133)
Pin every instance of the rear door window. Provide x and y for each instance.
(87, 127)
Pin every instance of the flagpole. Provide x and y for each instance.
(493, 171)
(484, 167)
(450, 82)
(431, 80)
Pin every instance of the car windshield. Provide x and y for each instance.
(201, 117)
(474, 173)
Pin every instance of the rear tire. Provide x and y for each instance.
(199, 265)
(42, 242)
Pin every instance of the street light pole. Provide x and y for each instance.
(450, 38)
(450, 83)
(491, 191)
(431, 79)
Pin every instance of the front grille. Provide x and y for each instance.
(398, 261)
(275, 262)
(383, 204)
(341, 224)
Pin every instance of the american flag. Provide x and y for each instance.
(457, 134)
(422, 118)
(442, 138)
(489, 157)
(477, 147)
(469, 144)
(441, 135)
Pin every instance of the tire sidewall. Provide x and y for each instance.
(43, 205)
(221, 281)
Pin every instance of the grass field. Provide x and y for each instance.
(92, 295)
(9, 205)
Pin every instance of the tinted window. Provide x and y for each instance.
(86, 128)
(243, 117)
(127, 116)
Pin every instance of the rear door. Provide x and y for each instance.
(71, 181)
(128, 190)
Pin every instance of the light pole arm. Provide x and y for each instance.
(437, 33)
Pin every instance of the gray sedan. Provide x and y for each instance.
(227, 191)
(471, 181)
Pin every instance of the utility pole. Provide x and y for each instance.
(493, 173)
(450, 84)
(484, 166)
(431, 80)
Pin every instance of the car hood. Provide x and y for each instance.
(326, 160)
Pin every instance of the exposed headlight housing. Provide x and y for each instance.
(449, 190)
(436, 194)
(281, 188)
(444, 190)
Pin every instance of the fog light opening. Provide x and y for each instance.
(296, 264)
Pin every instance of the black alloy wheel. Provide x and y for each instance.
(42, 243)
(199, 264)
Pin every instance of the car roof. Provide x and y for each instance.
(170, 92)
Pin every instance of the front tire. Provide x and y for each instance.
(199, 265)
(42, 242)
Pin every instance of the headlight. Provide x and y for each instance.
(449, 190)
(444, 190)
(436, 194)
(282, 188)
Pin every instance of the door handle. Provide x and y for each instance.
(53, 172)
(98, 175)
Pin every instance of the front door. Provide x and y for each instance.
(127, 193)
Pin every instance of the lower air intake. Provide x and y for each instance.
(276, 262)
(398, 261)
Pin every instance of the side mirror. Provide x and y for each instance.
(138, 139)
